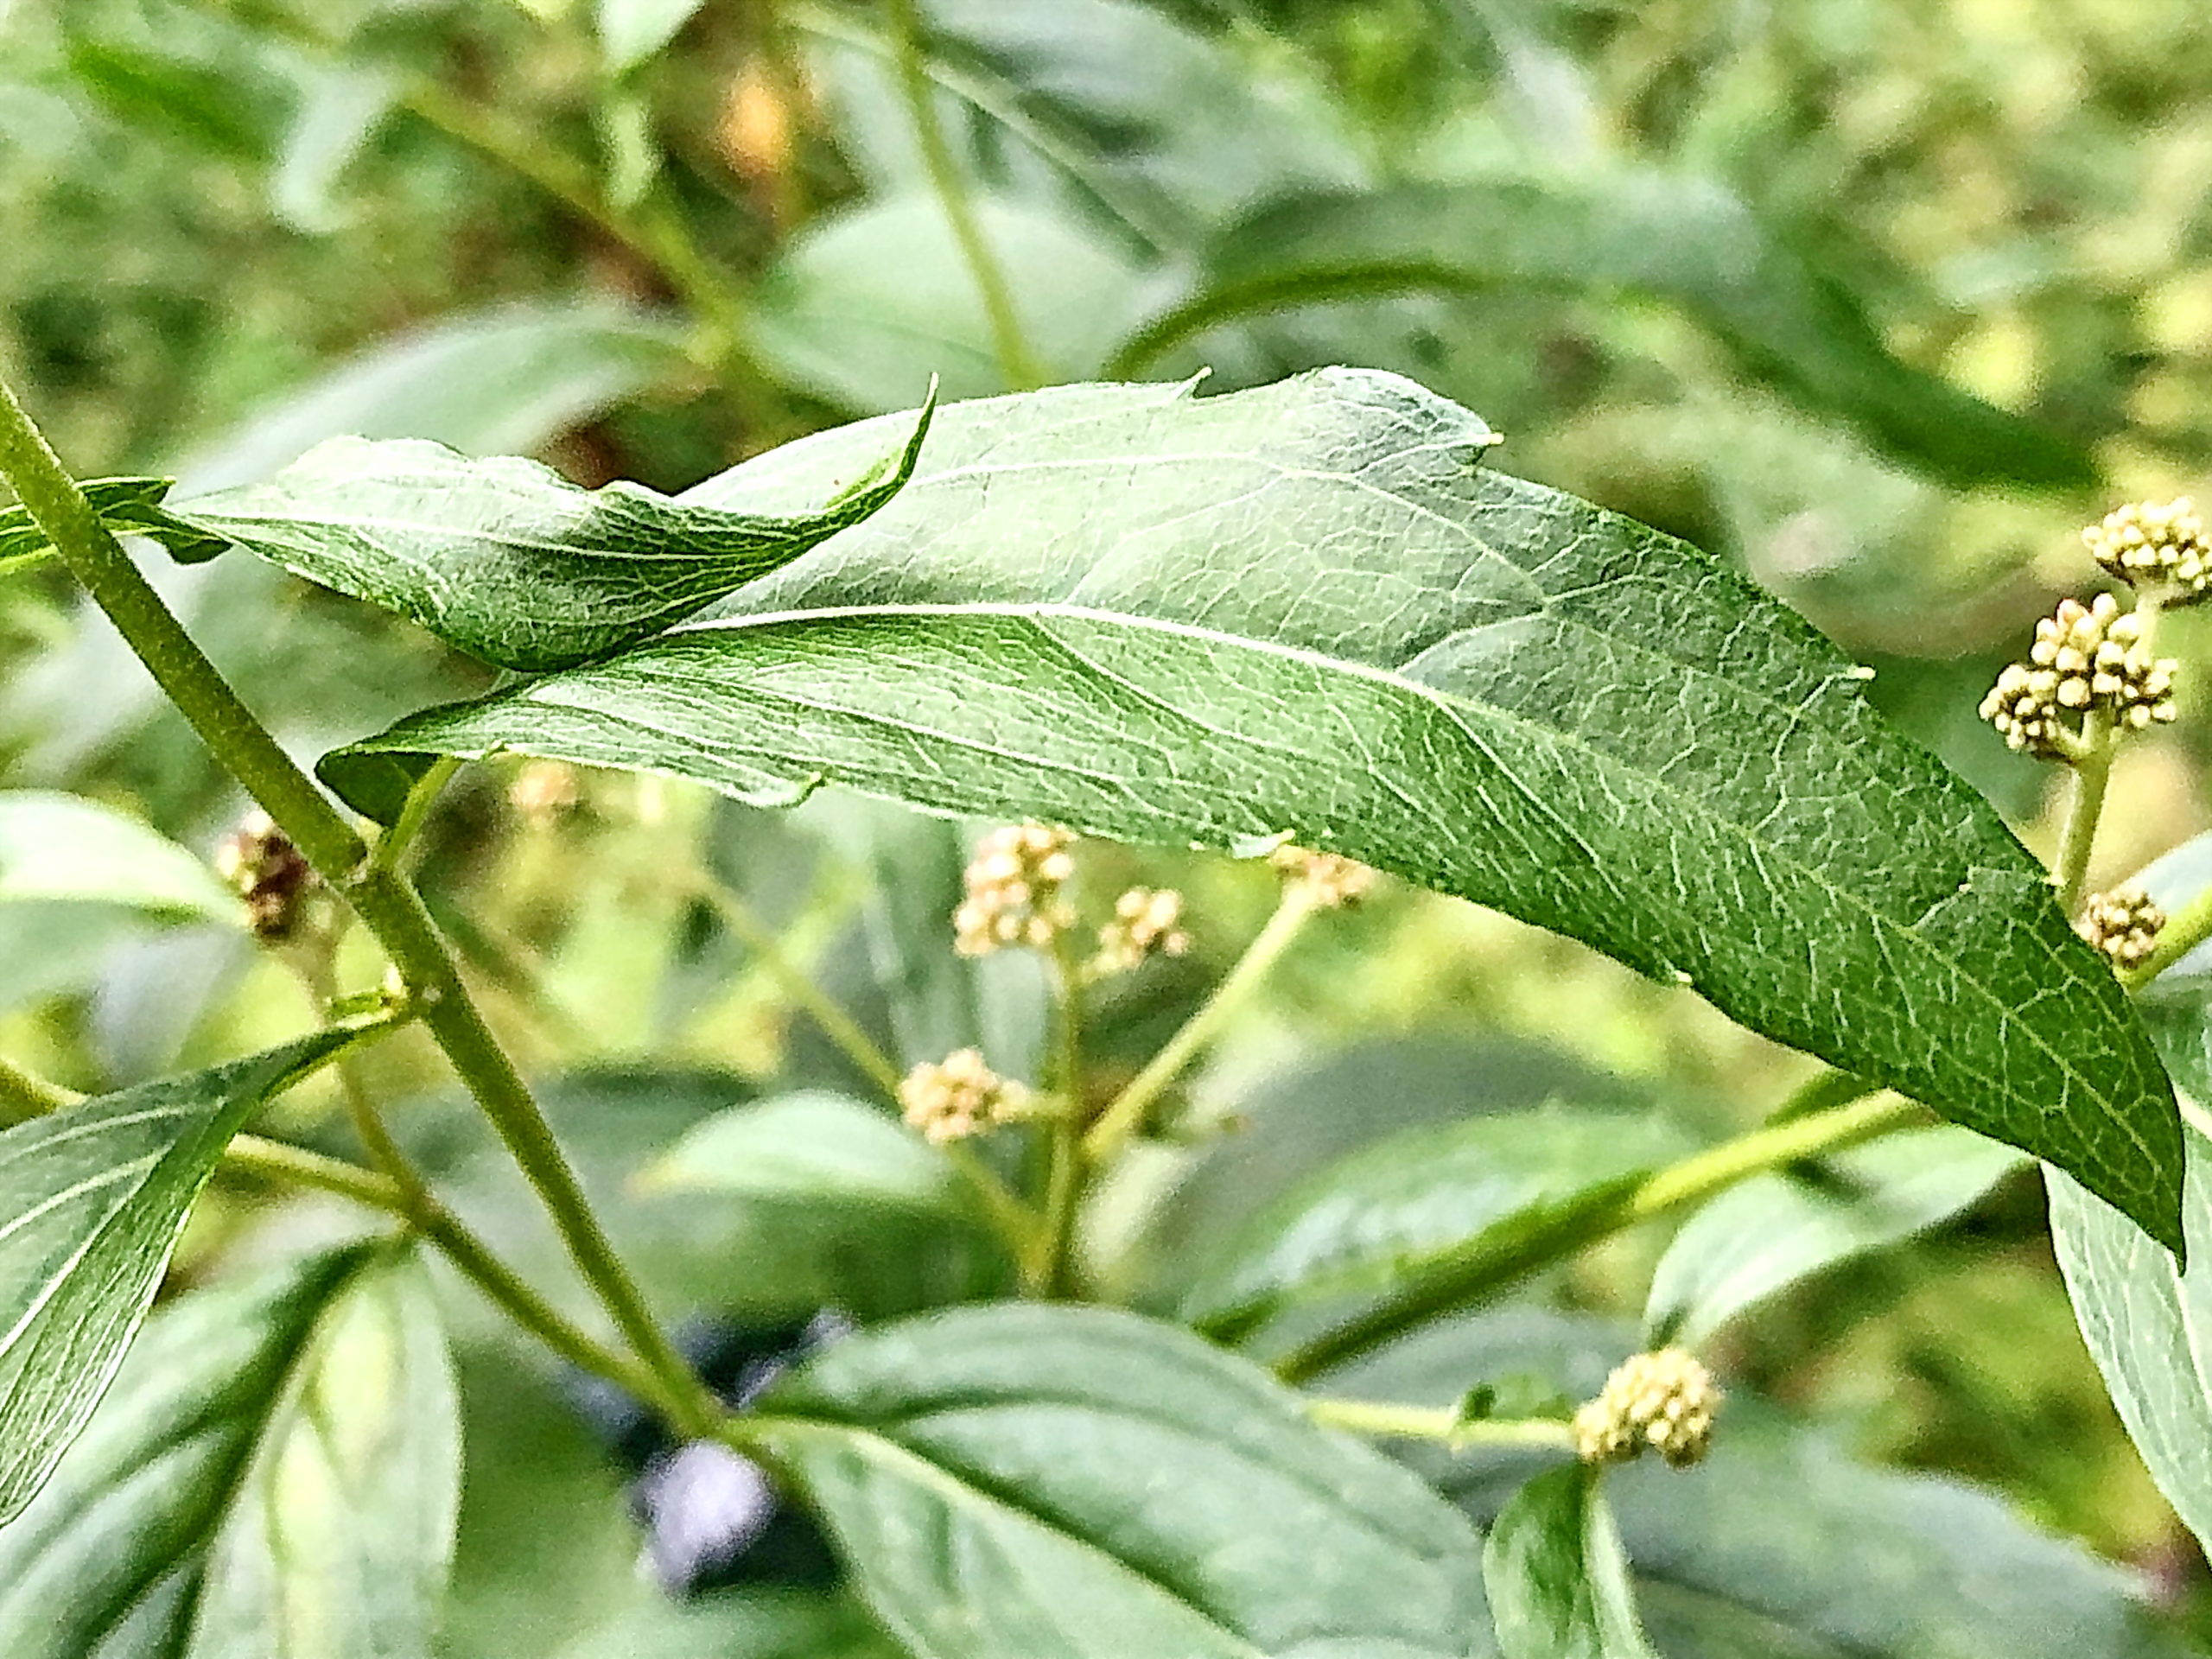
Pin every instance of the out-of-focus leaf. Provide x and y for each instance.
(55, 846)
(1683, 242)
(1775, 1231)
(1308, 609)
(630, 150)
(812, 1148)
(94, 1197)
(275, 1477)
(1558, 1582)
(630, 32)
(178, 97)
(1163, 129)
(509, 560)
(864, 306)
(1406, 1212)
(1012, 1481)
(340, 111)
(1768, 1549)
(747, 1627)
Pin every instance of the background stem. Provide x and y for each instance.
(1442, 1424)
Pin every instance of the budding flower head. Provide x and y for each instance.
(2155, 545)
(2124, 923)
(260, 864)
(1014, 890)
(1145, 920)
(1665, 1400)
(1328, 878)
(959, 1096)
(2086, 658)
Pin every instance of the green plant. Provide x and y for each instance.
(1323, 1391)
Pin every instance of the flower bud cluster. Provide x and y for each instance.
(1664, 1400)
(2086, 658)
(1145, 920)
(2155, 545)
(1014, 894)
(959, 1097)
(1328, 878)
(260, 864)
(2124, 923)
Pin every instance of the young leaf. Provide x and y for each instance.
(1419, 1203)
(55, 846)
(129, 507)
(510, 561)
(1558, 1581)
(1308, 609)
(276, 1477)
(1773, 1231)
(813, 1148)
(94, 1197)
(1017, 1480)
(1681, 240)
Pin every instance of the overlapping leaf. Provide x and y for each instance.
(94, 1199)
(56, 847)
(1307, 609)
(276, 1478)
(1558, 1580)
(1684, 242)
(507, 560)
(1019, 1480)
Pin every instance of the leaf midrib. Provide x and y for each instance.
(1450, 704)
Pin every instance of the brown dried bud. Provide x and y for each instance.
(1663, 1400)
(959, 1097)
(264, 869)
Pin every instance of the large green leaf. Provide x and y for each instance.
(1411, 1207)
(56, 847)
(275, 1477)
(1558, 1580)
(94, 1197)
(509, 560)
(1308, 609)
(1768, 1233)
(814, 1147)
(1770, 1548)
(1061, 1482)
(1682, 241)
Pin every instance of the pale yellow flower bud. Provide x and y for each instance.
(1665, 1401)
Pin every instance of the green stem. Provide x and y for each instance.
(2092, 776)
(839, 1027)
(1016, 361)
(1455, 1279)
(391, 846)
(1442, 1424)
(1126, 1114)
(1065, 1167)
(2185, 930)
(386, 904)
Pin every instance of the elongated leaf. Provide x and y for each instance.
(1682, 241)
(507, 560)
(62, 847)
(1402, 1209)
(275, 1477)
(1558, 1581)
(94, 1197)
(1772, 1231)
(1308, 609)
(128, 506)
(1013, 1482)
(813, 1148)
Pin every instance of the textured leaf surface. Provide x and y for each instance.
(1558, 1582)
(1418, 1200)
(128, 506)
(275, 1477)
(1773, 1231)
(1682, 241)
(1307, 609)
(93, 1199)
(507, 560)
(1059, 1483)
(55, 847)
